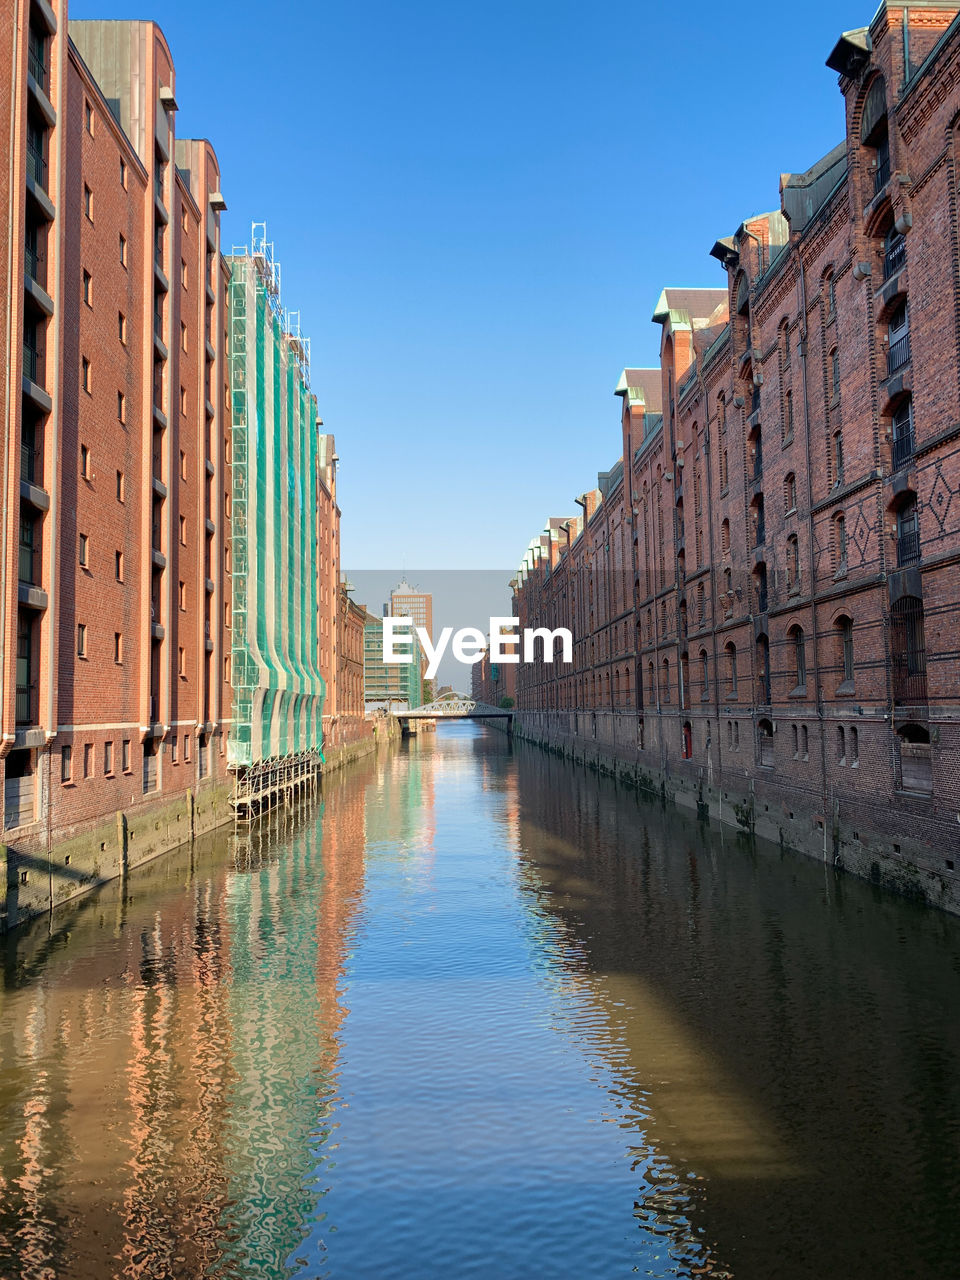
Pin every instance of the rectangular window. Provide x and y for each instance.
(183, 595)
(183, 530)
(183, 400)
(120, 487)
(108, 757)
(88, 759)
(183, 272)
(88, 288)
(81, 640)
(88, 202)
(82, 545)
(66, 764)
(123, 252)
(186, 747)
(123, 173)
(183, 335)
(181, 661)
(183, 465)
(174, 745)
(121, 407)
(85, 462)
(119, 566)
(117, 647)
(125, 755)
(88, 118)
(122, 327)
(85, 374)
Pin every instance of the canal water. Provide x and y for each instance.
(480, 1013)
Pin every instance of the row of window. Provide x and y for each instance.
(88, 762)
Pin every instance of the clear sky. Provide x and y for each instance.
(475, 208)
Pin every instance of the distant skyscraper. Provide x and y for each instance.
(408, 602)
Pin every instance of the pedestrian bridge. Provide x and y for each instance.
(456, 706)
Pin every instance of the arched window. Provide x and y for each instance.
(759, 523)
(651, 683)
(898, 337)
(875, 133)
(845, 649)
(834, 374)
(789, 492)
(796, 741)
(725, 537)
(686, 744)
(763, 669)
(841, 745)
(665, 680)
(704, 676)
(793, 563)
(804, 742)
(840, 544)
(799, 656)
(894, 252)
(731, 651)
(838, 457)
(829, 285)
(788, 416)
(854, 747)
(908, 531)
(902, 430)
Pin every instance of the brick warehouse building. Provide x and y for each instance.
(763, 609)
(113, 592)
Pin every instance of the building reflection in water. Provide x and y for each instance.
(782, 1038)
(168, 1060)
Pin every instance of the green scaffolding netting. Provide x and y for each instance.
(278, 691)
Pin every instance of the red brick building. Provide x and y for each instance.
(763, 614)
(114, 593)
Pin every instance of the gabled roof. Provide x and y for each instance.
(683, 306)
(641, 386)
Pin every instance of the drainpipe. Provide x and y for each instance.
(812, 559)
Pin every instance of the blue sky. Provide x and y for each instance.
(476, 207)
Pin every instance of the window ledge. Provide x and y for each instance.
(799, 692)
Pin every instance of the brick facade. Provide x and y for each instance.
(763, 611)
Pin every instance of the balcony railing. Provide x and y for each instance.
(25, 704)
(36, 165)
(908, 546)
(882, 175)
(894, 258)
(899, 354)
(903, 448)
(32, 263)
(36, 64)
(31, 465)
(31, 363)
